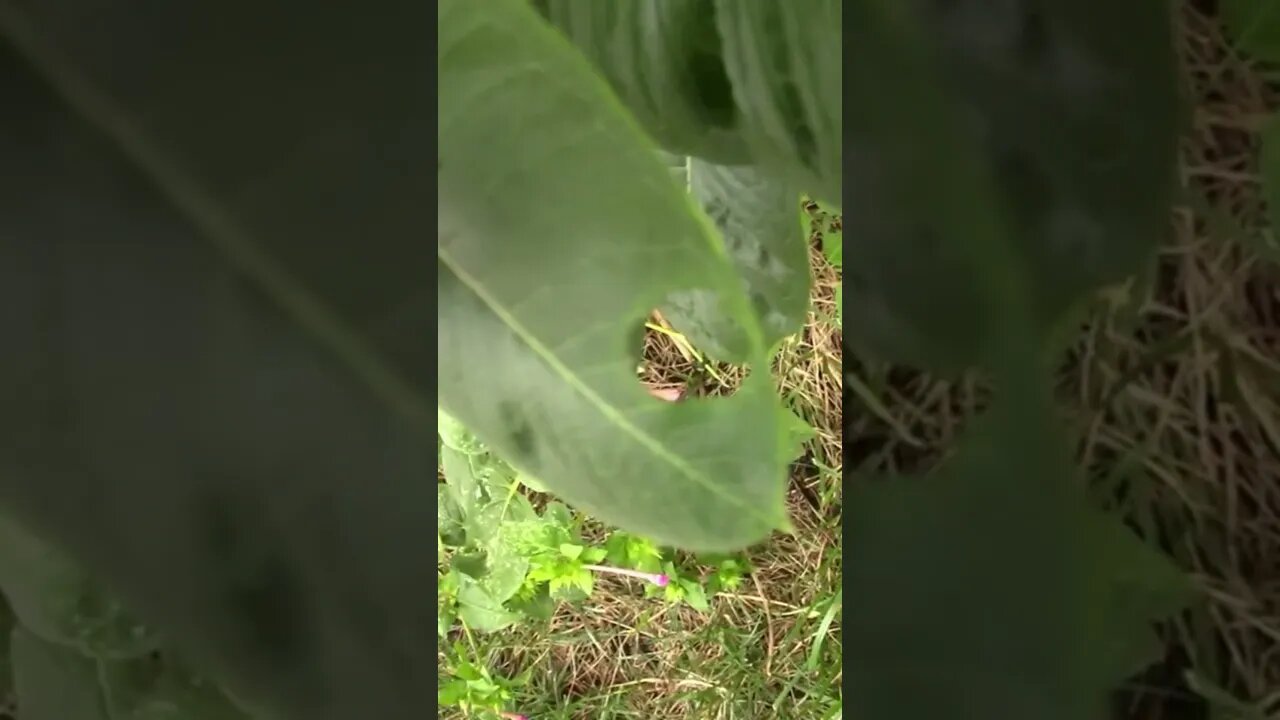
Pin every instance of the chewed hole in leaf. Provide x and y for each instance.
(673, 367)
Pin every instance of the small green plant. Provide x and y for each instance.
(472, 688)
(502, 561)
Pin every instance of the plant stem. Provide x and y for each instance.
(655, 578)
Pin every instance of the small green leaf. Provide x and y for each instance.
(594, 555)
(468, 491)
(833, 248)
(558, 514)
(672, 593)
(452, 693)
(1136, 586)
(481, 612)
(467, 671)
(797, 433)
(694, 595)
(571, 551)
(584, 580)
(445, 615)
(537, 604)
(483, 686)
(449, 517)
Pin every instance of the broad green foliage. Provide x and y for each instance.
(1072, 107)
(663, 59)
(540, 302)
(753, 213)
(727, 82)
(785, 64)
(214, 328)
(1254, 26)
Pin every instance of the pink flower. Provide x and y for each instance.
(656, 578)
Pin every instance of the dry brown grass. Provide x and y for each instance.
(1191, 382)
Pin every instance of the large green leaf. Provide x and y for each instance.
(785, 63)
(56, 599)
(663, 59)
(214, 307)
(559, 232)
(755, 213)
(1074, 108)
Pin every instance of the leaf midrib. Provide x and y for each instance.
(229, 239)
(611, 414)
